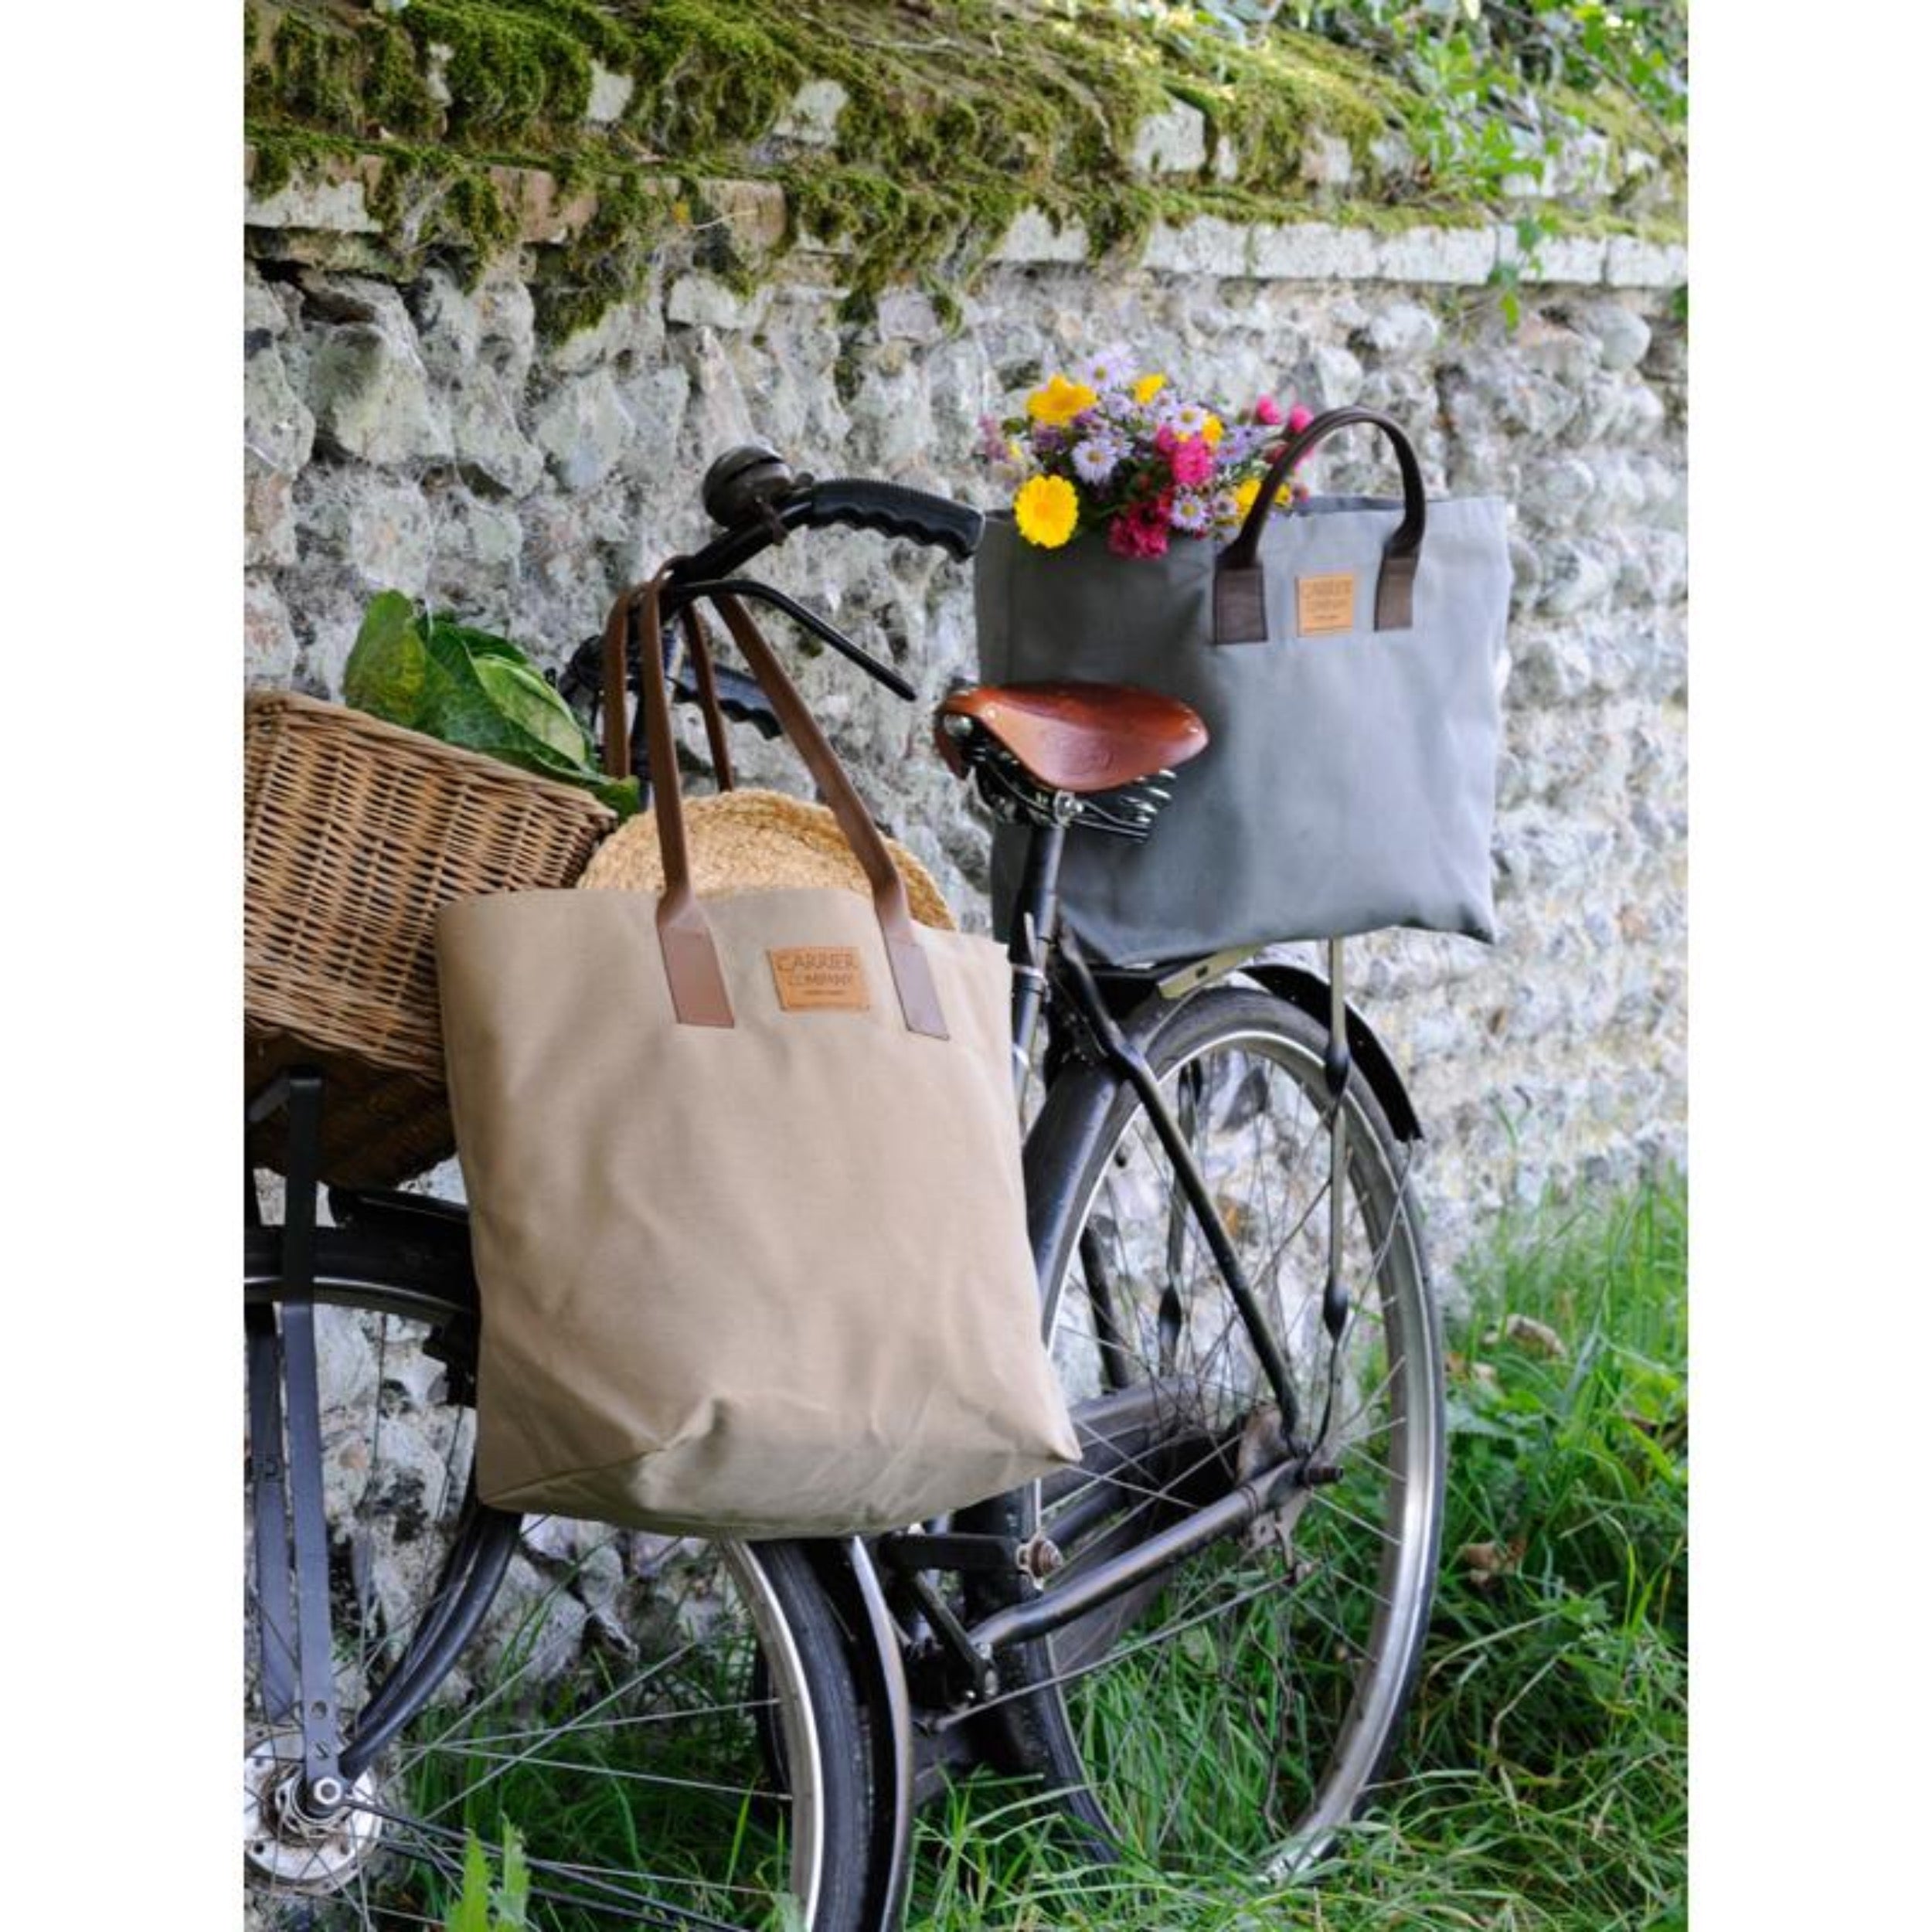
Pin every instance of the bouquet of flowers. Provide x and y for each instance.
(1106, 448)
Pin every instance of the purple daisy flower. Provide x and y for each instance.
(1193, 513)
(1097, 457)
(1109, 369)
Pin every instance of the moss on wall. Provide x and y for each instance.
(959, 113)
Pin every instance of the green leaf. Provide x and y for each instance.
(471, 1911)
(471, 689)
(388, 666)
(522, 696)
(513, 1896)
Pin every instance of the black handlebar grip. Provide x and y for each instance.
(892, 510)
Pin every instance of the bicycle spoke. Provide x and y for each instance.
(1262, 1648)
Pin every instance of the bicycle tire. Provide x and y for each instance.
(792, 1817)
(1056, 1717)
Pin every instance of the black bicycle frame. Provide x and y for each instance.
(1046, 956)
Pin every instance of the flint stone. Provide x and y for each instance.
(268, 516)
(908, 315)
(811, 117)
(387, 536)
(1402, 330)
(632, 331)
(277, 428)
(1575, 575)
(609, 95)
(585, 429)
(265, 309)
(268, 639)
(702, 301)
(372, 397)
(1622, 335)
(1326, 160)
(1171, 142)
(489, 439)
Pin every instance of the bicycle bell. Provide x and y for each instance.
(743, 482)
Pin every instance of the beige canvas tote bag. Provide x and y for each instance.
(744, 1181)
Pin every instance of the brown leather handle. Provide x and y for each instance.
(698, 642)
(1240, 606)
(912, 972)
(616, 740)
(691, 968)
(691, 964)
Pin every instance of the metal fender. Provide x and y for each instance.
(1309, 991)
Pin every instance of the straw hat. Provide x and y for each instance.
(754, 841)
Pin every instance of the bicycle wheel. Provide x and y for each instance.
(1234, 1711)
(670, 1727)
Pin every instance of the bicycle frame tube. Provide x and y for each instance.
(1072, 1599)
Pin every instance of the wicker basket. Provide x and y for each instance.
(358, 833)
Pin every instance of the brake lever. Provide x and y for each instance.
(680, 593)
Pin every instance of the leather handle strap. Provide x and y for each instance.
(1240, 607)
(698, 642)
(691, 967)
(617, 754)
(691, 964)
(911, 970)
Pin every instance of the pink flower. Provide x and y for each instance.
(1141, 530)
(1267, 410)
(1191, 460)
(1299, 418)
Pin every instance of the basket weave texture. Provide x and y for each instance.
(754, 841)
(358, 833)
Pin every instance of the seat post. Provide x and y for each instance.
(1035, 922)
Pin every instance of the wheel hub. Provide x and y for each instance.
(283, 1842)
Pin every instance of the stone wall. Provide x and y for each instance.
(421, 436)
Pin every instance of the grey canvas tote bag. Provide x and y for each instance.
(744, 1178)
(1344, 660)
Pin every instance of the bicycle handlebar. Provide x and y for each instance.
(892, 510)
(856, 502)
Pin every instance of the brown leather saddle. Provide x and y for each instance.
(1077, 738)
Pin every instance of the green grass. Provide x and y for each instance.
(1542, 1782)
(1541, 1786)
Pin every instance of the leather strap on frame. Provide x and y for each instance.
(1240, 599)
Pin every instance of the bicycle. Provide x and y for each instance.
(1000, 1636)
(1236, 1430)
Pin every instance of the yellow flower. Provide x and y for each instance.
(1046, 510)
(1148, 387)
(1211, 430)
(1060, 402)
(1245, 494)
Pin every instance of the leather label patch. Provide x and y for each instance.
(819, 979)
(1325, 605)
